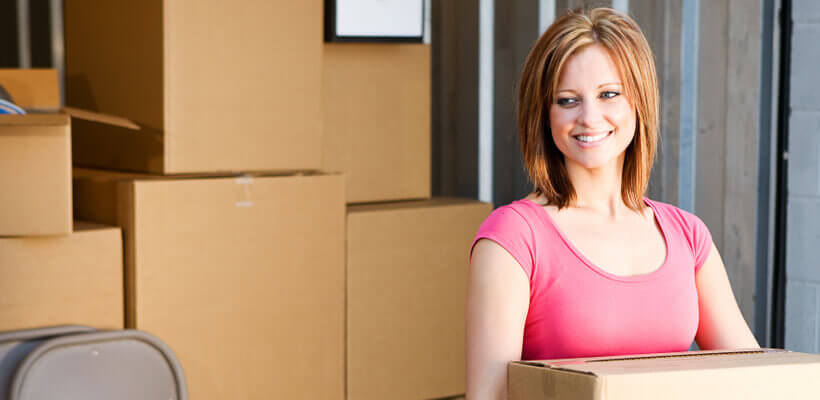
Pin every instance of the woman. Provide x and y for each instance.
(586, 265)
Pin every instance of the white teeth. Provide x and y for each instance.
(588, 139)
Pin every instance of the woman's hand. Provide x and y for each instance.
(498, 295)
(721, 326)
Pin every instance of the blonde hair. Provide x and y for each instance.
(628, 47)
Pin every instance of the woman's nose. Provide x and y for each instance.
(591, 115)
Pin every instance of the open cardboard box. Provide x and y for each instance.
(35, 154)
(753, 374)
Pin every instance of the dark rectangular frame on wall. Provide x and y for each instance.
(331, 7)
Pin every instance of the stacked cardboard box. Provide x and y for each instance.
(35, 155)
(216, 85)
(376, 113)
(406, 263)
(242, 276)
(73, 279)
(406, 287)
(235, 248)
(55, 271)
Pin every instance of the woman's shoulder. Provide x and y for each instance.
(668, 208)
(687, 220)
(510, 226)
(690, 227)
(516, 215)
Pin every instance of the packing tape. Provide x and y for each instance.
(244, 197)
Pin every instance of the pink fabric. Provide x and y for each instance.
(579, 310)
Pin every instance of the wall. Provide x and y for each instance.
(803, 212)
(727, 137)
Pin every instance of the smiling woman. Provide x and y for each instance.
(590, 111)
(596, 66)
(586, 265)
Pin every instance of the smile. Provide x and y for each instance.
(591, 140)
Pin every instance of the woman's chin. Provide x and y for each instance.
(593, 163)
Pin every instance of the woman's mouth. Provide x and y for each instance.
(591, 139)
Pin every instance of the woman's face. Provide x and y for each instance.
(591, 119)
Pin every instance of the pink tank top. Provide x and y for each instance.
(579, 310)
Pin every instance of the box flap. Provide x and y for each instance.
(37, 89)
(103, 118)
(62, 118)
(83, 226)
(695, 360)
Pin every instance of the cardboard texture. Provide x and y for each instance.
(35, 175)
(243, 277)
(376, 119)
(32, 88)
(35, 158)
(74, 279)
(753, 374)
(36, 154)
(216, 85)
(406, 283)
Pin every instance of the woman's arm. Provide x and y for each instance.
(497, 303)
(721, 324)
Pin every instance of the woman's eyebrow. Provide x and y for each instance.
(599, 86)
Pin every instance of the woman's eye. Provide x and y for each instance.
(566, 101)
(609, 94)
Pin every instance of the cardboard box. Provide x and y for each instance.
(216, 85)
(243, 277)
(63, 280)
(754, 374)
(376, 112)
(406, 288)
(35, 155)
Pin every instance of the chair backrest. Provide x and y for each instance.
(96, 365)
(16, 345)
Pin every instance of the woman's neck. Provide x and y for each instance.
(598, 190)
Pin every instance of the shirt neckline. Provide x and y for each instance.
(622, 278)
